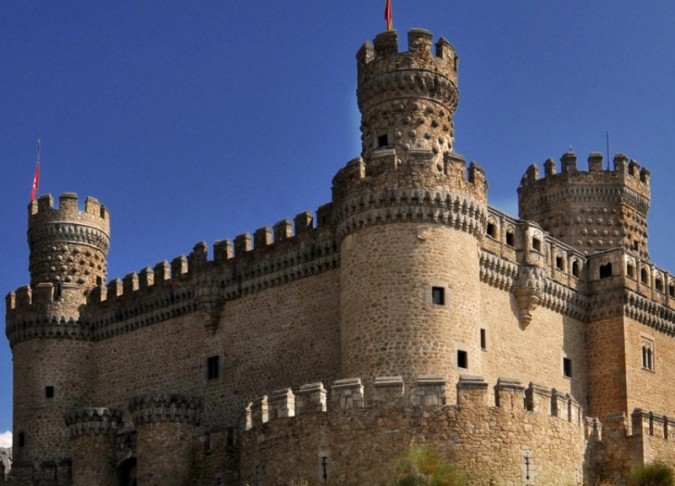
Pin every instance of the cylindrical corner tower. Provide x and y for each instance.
(409, 216)
(51, 346)
(592, 210)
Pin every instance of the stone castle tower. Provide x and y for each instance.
(300, 351)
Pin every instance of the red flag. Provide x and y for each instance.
(36, 181)
(387, 15)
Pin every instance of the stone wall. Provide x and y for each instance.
(357, 441)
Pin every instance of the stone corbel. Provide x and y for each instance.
(529, 290)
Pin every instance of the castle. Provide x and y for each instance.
(531, 351)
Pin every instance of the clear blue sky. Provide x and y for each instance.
(200, 120)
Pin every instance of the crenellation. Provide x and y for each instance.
(595, 162)
(311, 398)
(472, 391)
(146, 278)
(641, 422)
(281, 403)
(162, 271)
(388, 390)
(420, 42)
(538, 398)
(303, 223)
(549, 167)
(94, 421)
(223, 251)
(179, 266)
(199, 257)
(260, 412)
(283, 230)
(560, 404)
(115, 289)
(262, 238)
(347, 393)
(509, 394)
(429, 391)
(130, 283)
(242, 244)
(568, 162)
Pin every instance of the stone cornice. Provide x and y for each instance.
(161, 407)
(69, 231)
(93, 421)
(19, 330)
(411, 205)
(649, 313)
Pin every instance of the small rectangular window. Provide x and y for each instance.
(462, 359)
(213, 367)
(491, 230)
(483, 339)
(49, 392)
(382, 140)
(536, 244)
(567, 368)
(22, 439)
(438, 295)
(559, 263)
(510, 239)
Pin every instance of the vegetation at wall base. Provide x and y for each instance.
(653, 474)
(424, 466)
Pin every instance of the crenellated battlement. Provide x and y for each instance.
(422, 190)
(425, 392)
(592, 210)
(94, 421)
(164, 407)
(383, 58)
(407, 99)
(68, 245)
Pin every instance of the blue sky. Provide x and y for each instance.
(201, 120)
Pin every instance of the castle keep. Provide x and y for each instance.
(406, 311)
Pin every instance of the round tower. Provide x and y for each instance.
(51, 346)
(408, 216)
(68, 245)
(592, 210)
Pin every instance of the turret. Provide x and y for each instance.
(592, 210)
(409, 214)
(51, 346)
(68, 245)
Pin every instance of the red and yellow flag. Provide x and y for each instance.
(387, 15)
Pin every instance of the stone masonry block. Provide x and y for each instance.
(347, 393)
(430, 391)
(471, 391)
(310, 398)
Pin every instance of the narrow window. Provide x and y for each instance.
(559, 263)
(659, 284)
(213, 367)
(438, 295)
(491, 230)
(510, 238)
(49, 392)
(575, 269)
(462, 359)
(671, 290)
(483, 339)
(630, 270)
(647, 354)
(643, 276)
(382, 141)
(606, 270)
(536, 244)
(22, 439)
(567, 368)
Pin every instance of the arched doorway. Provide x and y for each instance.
(127, 471)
